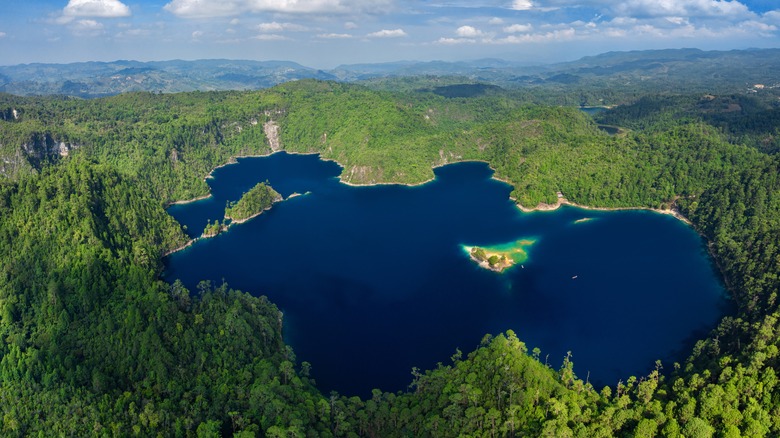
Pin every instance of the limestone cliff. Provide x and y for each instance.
(32, 154)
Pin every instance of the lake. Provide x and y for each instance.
(374, 280)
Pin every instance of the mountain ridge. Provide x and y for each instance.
(672, 68)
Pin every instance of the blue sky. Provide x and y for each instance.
(326, 33)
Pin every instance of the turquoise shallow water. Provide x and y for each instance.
(374, 281)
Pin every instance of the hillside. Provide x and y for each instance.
(606, 79)
(94, 343)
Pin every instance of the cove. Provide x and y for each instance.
(374, 280)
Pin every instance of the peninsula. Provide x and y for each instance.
(252, 203)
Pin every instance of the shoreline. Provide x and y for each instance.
(351, 184)
(223, 229)
(484, 264)
(234, 221)
(436, 166)
(234, 160)
(187, 201)
(542, 207)
(185, 246)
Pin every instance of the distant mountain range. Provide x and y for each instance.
(92, 79)
(673, 70)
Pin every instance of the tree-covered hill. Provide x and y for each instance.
(93, 343)
(606, 79)
(743, 118)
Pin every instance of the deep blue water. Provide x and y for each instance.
(373, 281)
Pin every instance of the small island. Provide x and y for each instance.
(212, 230)
(258, 199)
(500, 257)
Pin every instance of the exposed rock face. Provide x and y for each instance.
(43, 147)
(271, 130)
(64, 148)
(39, 149)
(14, 164)
(9, 114)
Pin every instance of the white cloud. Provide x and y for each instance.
(772, 16)
(559, 35)
(762, 29)
(522, 5)
(88, 25)
(134, 33)
(453, 41)
(468, 32)
(196, 35)
(2, 34)
(270, 27)
(280, 27)
(96, 8)
(87, 28)
(623, 21)
(386, 33)
(672, 28)
(615, 33)
(495, 21)
(221, 8)
(204, 9)
(270, 37)
(677, 20)
(518, 28)
(350, 25)
(646, 8)
(681, 8)
(334, 36)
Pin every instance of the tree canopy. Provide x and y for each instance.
(92, 342)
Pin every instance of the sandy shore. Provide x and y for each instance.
(508, 263)
(187, 201)
(347, 183)
(186, 245)
(563, 201)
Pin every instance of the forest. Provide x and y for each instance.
(253, 202)
(94, 343)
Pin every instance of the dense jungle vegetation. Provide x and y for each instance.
(253, 202)
(93, 343)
